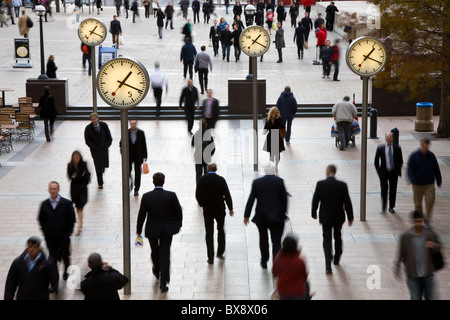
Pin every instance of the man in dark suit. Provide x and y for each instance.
(388, 163)
(98, 138)
(210, 109)
(212, 190)
(270, 212)
(138, 153)
(57, 219)
(214, 35)
(164, 217)
(334, 202)
(103, 281)
(189, 95)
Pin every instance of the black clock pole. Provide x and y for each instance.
(126, 198)
(94, 79)
(365, 103)
(255, 112)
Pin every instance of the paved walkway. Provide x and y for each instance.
(370, 246)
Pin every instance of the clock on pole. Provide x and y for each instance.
(366, 57)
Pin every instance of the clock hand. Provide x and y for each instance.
(367, 57)
(254, 41)
(260, 44)
(87, 37)
(138, 90)
(121, 83)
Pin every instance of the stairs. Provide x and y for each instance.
(171, 112)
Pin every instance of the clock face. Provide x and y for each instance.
(366, 56)
(92, 32)
(122, 83)
(254, 41)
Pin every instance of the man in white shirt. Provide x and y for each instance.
(158, 80)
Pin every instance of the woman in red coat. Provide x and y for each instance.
(291, 271)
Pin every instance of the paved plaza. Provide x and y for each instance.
(365, 271)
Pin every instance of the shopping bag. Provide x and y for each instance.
(210, 43)
(139, 242)
(306, 45)
(121, 40)
(145, 168)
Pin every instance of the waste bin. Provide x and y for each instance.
(424, 116)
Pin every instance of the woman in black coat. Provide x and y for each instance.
(48, 112)
(274, 121)
(80, 177)
(51, 67)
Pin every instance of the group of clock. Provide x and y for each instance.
(123, 82)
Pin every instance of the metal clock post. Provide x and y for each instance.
(254, 42)
(92, 32)
(366, 57)
(123, 83)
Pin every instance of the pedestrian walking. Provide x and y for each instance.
(344, 113)
(32, 275)
(118, 4)
(189, 96)
(160, 16)
(187, 56)
(300, 35)
(158, 81)
(214, 36)
(206, 8)
(204, 63)
(135, 9)
(237, 46)
(163, 215)
(290, 270)
(388, 163)
(326, 53)
(23, 24)
(196, 10)
(333, 197)
(48, 112)
(226, 38)
(98, 4)
(279, 41)
(103, 281)
(287, 104)
(335, 59)
(330, 10)
(293, 13)
(417, 247)
(274, 140)
(269, 20)
(168, 11)
(79, 176)
(57, 218)
(270, 213)
(210, 109)
(146, 4)
(307, 23)
(281, 13)
(212, 194)
(98, 138)
(204, 148)
(237, 10)
(137, 153)
(51, 67)
(86, 57)
(116, 31)
(424, 173)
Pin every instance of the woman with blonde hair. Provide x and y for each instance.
(274, 129)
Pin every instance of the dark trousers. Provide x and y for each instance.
(59, 248)
(326, 67)
(147, 11)
(186, 65)
(336, 69)
(226, 51)
(99, 169)
(137, 172)
(344, 129)
(280, 54)
(115, 40)
(288, 130)
(200, 170)
(388, 182)
(189, 111)
(209, 228)
(237, 52)
(160, 255)
(157, 93)
(206, 17)
(48, 124)
(203, 79)
(300, 50)
(171, 22)
(276, 231)
(328, 232)
(197, 16)
(211, 122)
(87, 57)
(215, 44)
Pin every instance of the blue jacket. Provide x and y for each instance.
(188, 52)
(424, 168)
(287, 105)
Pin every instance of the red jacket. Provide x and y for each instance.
(335, 54)
(292, 275)
(307, 3)
(321, 37)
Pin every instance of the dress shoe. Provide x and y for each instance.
(220, 256)
(210, 261)
(391, 210)
(100, 186)
(65, 276)
(336, 260)
(264, 265)
(329, 271)
(164, 288)
(136, 193)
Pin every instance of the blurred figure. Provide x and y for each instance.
(287, 104)
(415, 250)
(424, 172)
(210, 109)
(203, 152)
(51, 67)
(189, 96)
(86, 57)
(290, 269)
(48, 112)
(56, 219)
(79, 177)
(158, 81)
(274, 143)
(103, 281)
(24, 29)
(31, 274)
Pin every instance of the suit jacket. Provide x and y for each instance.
(212, 190)
(215, 108)
(162, 211)
(189, 97)
(98, 143)
(59, 221)
(271, 196)
(380, 159)
(102, 284)
(334, 202)
(138, 150)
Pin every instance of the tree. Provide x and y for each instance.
(418, 33)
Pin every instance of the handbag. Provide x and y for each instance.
(283, 132)
(196, 66)
(121, 40)
(29, 23)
